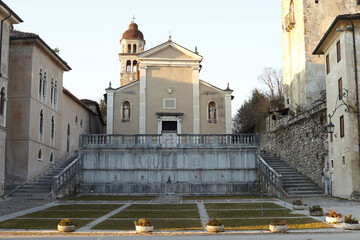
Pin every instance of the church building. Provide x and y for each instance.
(161, 92)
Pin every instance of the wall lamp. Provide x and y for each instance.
(343, 94)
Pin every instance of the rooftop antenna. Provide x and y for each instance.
(133, 18)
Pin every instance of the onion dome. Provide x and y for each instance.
(133, 32)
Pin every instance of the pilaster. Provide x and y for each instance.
(142, 107)
(196, 101)
(110, 110)
(228, 119)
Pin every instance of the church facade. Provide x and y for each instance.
(161, 92)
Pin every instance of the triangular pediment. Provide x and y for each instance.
(170, 50)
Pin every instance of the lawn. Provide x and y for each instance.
(38, 223)
(75, 207)
(157, 214)
(109, 198)
(162, 207)
(241, 205)
(248, 213)
(221, 197)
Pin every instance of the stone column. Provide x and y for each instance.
(228, 119)
(142, 107)
(196, 101)
(110, 110)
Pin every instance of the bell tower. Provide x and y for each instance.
(132, 43)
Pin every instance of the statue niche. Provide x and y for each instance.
(212, 112)
(126, 111)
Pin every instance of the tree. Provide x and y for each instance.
(273, 79)
(102, 106)
(251, 113)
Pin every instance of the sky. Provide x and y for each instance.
(237, 38)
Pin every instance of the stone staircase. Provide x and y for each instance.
(41, 186)
(294, 183)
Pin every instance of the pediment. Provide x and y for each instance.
(170, 50)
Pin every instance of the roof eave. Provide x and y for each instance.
(15, 19)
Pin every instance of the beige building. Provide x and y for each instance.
(340, 46)
(161, 92)
(8, 19)
(304, 22)
(44, 120)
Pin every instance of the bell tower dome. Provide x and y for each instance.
(132, 43)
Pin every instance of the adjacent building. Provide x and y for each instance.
(8, 18)
(341, 49)
(160, 92)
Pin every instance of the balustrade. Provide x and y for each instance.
(270, 174)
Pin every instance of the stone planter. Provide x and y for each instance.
(350, 226)
(215, 228)
(69, 228)
(298, 207)
(144, 229)
(278, 228)
(333, 220)
(317, 213)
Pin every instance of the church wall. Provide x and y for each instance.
(158, 79)
(131, 94)
(208, 94)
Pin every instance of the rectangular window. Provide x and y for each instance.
(340, 88)
(332, 163)
(327, 64)
(342, 133)
(338, 51)
(343, 160)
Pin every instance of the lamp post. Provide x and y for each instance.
(343, 94)
(330, 127)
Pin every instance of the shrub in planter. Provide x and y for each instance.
(214, 225)
(316, 210)
(351, 223)
(333, 217)
(65, 225)
(143, 225)
(278, 225)
(298, 205)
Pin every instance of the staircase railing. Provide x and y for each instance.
(274, 178)
(66, 175)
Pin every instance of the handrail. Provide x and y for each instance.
(67, 174)
(270, 174)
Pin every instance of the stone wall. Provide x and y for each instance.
(301, 141)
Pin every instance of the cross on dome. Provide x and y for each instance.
(133, 18)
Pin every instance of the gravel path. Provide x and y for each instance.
(15, 205)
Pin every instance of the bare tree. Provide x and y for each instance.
(273, 79)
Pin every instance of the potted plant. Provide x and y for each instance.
(65, 225)
(351, 223)
(333, 217)
(214, 225)
(298, 205)
(316, 210)
(143, 225)
(278, 225)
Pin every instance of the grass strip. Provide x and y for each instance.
(240, 205)
(38, 223)
(249, 213)
(156, 214)
(65, 214)
(162, 207)
(74, 207)
(109, 198)
(263, 224)
(173, 225)
(247, 196)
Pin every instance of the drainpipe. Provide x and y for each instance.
(1, 31)
(356, 86)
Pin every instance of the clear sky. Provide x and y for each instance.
(237, 38)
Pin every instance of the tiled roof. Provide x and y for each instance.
(14, 34)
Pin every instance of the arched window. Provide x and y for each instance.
(129, 48)
(76, 119)
(134, 48)
(126, 111)
(44, 86)
(212, 111)
(55, 93)
(134, 66)
(68, 139)
(52, 90)
(40, 81)
(81, 122)
(40, 156)
(2, 101)
(52, 127)
(51, 160)
(41, 121)
(128, 66)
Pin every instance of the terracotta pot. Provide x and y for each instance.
(333, 220)
(317, 213)
(215, 228)
(351, 226)
(142, 229)
(278, 228)
(69, 228)
(298, 207)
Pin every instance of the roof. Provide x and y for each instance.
(133, 32)
(91, 102)
(18, 35)
(12, 13)
(349, 17)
